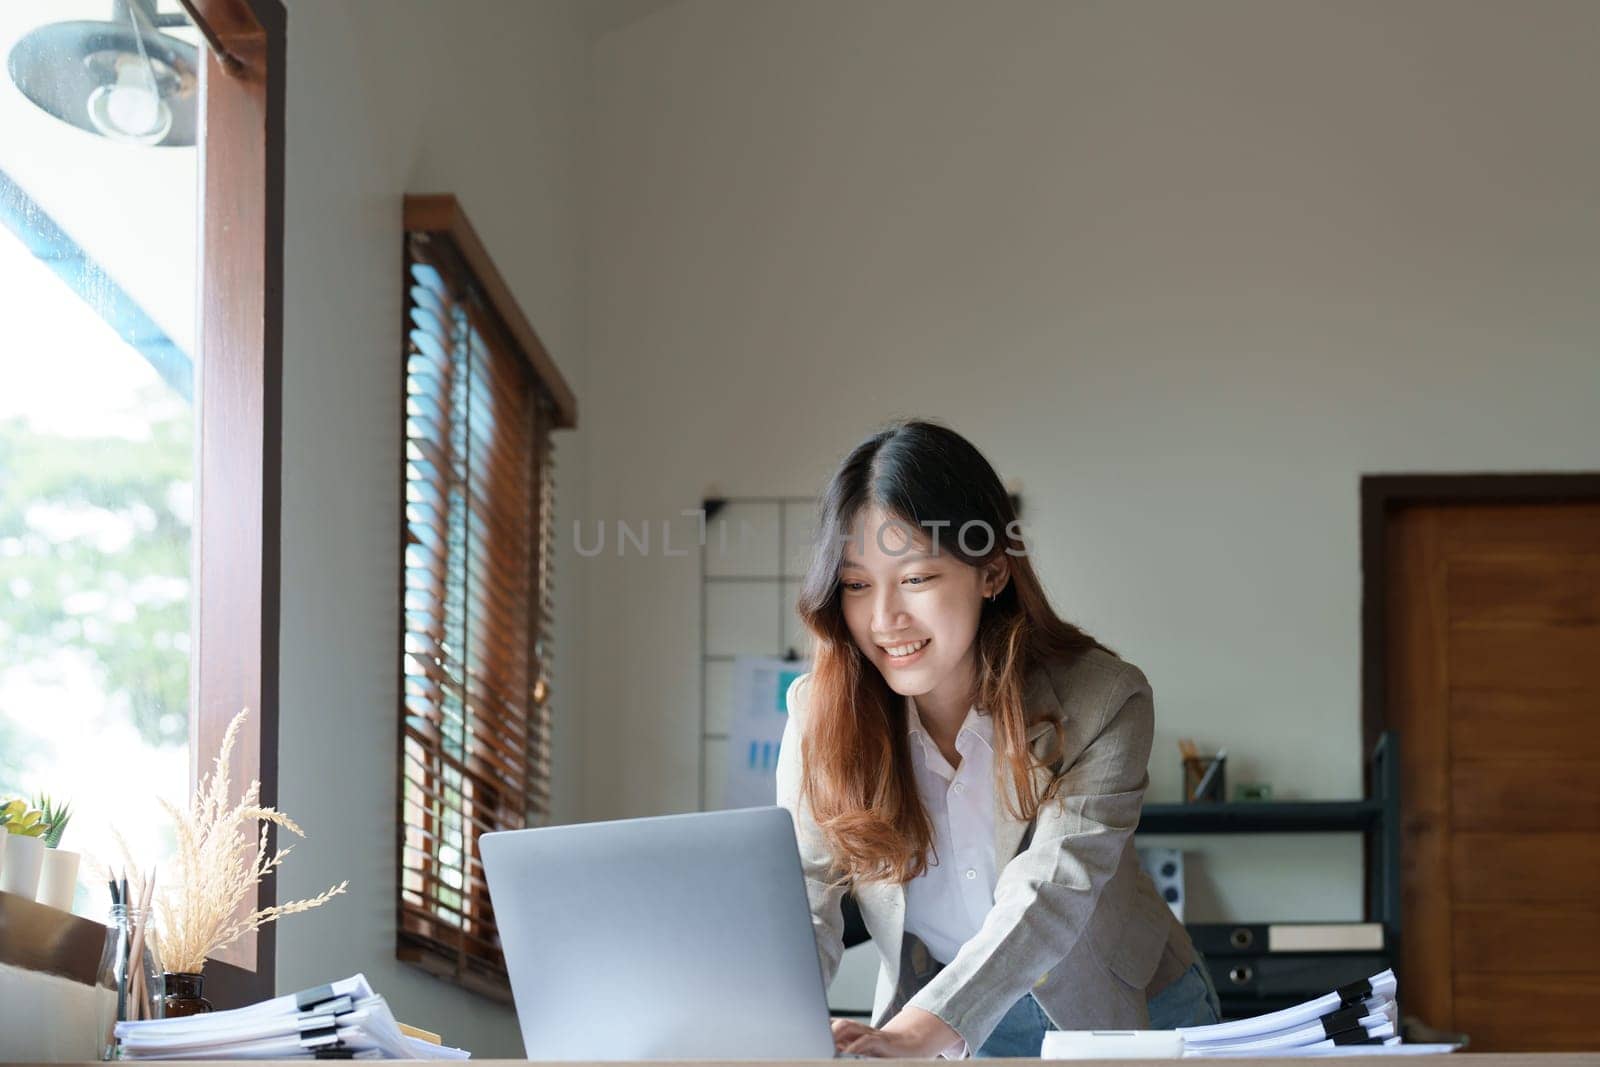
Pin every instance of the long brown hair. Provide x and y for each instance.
(858, 780)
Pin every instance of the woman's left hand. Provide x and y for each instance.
(912, 1034)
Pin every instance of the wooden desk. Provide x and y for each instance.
(1459, 1059)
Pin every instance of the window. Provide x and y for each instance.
(482, 398)
(98, 414)
(139, 412)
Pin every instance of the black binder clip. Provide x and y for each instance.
(1354, 993)
(317, 996)
(1337, 1022)
(318, 1022)
(320, 1034)
(1356, 1037)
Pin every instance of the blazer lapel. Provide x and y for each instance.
(1044, 708)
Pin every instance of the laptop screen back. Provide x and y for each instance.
(675, 937)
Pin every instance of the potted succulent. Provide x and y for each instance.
(58, 872)
(25, 828)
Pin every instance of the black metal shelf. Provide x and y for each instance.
(1377, 819)
(1301, 816)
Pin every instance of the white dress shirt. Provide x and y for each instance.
(946, 904)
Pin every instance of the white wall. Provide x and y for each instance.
(385, 97)
(1184, 271)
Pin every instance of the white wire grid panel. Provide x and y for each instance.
(753, 559)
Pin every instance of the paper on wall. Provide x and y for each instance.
(755, 728)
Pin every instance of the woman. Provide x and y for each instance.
(972, 768)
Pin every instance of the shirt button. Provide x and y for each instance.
(971, 873)
(961, 787)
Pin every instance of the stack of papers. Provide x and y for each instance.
(344, 1020)
(1358, 1019)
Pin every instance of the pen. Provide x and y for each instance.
(1211, 771)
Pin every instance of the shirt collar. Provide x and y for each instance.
(976, 725)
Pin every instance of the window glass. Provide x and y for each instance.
(98, 214)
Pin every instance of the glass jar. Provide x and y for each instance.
(186, 994)
(130, 973)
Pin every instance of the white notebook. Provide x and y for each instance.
(1111, 1045)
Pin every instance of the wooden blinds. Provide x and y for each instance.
(477, 610)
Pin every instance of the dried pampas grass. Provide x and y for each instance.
(198, 909)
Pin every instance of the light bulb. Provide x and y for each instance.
(132, 109)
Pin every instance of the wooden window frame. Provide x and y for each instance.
(241, 421)
(437, 228)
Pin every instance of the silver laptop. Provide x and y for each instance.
(676, 937)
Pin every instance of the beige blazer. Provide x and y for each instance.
(1075, 919)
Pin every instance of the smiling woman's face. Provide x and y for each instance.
(897, 594)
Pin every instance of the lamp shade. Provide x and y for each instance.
(94, 76)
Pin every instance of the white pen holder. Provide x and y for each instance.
(24, 856)
(58, 878)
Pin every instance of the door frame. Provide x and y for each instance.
(1383, 497)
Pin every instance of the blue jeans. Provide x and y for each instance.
(1020, 1033)
(1189, 1001)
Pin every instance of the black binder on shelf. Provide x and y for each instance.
(1252, 975)
(1291, 976)
(1254, 939)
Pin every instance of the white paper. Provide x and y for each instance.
(1378, 1009)
(1383, 987)
(271, 1030)
(1313, 1041)
(1392, 1047)
(755, 728)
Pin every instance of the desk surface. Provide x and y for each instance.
(1459, 1059)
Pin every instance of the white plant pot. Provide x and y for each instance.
(4, 837)
(58, 878)
(20, 875)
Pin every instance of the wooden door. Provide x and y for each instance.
(1494, 685)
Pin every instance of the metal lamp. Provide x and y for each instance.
(123, 79)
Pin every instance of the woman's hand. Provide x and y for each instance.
(912, 1034)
